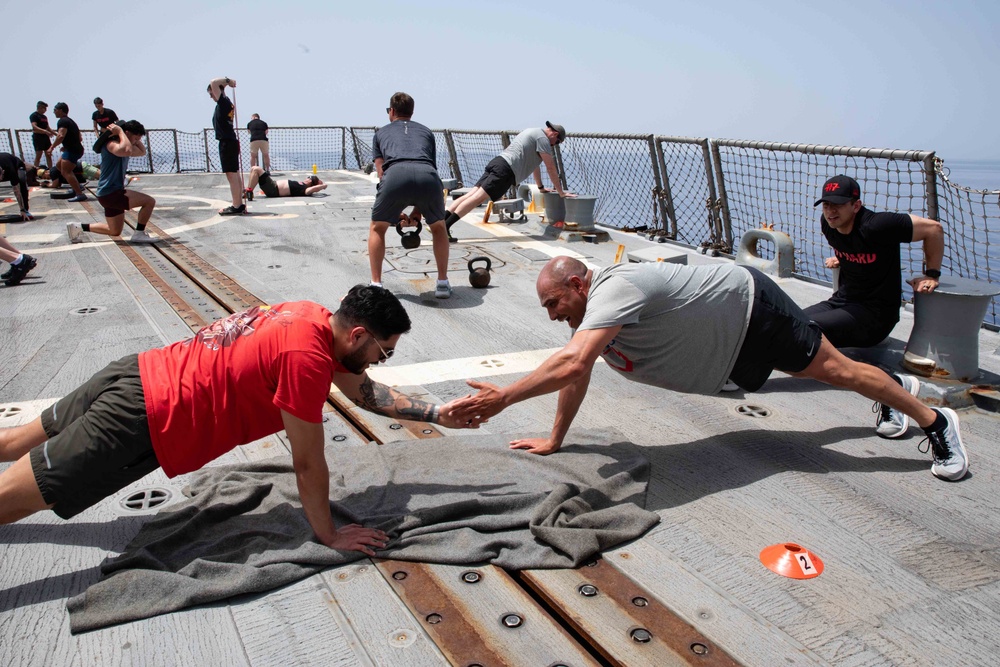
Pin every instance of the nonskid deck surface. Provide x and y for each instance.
(912, 575)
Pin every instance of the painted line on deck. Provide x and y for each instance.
(503, 232)
(22, 412)
(294, 203)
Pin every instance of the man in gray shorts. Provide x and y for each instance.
(240, 379)
(522, 158)
(406, 162)
(654, 322)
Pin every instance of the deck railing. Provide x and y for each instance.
(700, 192)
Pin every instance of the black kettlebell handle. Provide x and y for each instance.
(399, 228)
(489, 264)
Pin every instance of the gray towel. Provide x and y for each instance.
(459, 500)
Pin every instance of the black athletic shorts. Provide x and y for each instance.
(852, 324)
(41, 142)
(409, 184)
(229, 156)
(98, 440)
(779, 335)
(114, 203)
(267, 185)
(497, 179)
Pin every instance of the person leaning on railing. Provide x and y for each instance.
(865, 307)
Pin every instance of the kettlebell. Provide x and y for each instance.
(479, 277)
(410, 240)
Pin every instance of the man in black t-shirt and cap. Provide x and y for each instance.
(865, 307)
(258, 142)
(229, 144)
(103, 116)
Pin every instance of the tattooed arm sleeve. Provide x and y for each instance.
(377, 397)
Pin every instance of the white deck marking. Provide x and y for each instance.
(23, 411)
(34, 238)
(459, 369)
(294, 203)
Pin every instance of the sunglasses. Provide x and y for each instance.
(388, 109)
(383, 355)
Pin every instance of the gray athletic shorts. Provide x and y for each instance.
(409, 184)
(98, 440)
(779, 335)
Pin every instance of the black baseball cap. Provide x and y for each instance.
(840, 190)
(560, 131)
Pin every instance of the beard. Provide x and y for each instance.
(357, 361)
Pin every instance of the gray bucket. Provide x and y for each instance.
(555, 207)
(580, 209)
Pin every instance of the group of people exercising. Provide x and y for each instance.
(684, 328)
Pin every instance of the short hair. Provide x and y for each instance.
(133, 126)
(402, 104)
(40, 104)
(98, 100)
(61, 106)
(255, 115)
(374, 308)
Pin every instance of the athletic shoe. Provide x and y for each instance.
(78, 198)
(19, 271)
(451, 239)
(730, 386)
(950, 460)
(891, 423)
(232, 210)
(140, 236)
(75, 232)
(443, 290)
(248, 194)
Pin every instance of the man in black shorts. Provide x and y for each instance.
(282, 188)
(865, 307)
(68, 135)
(41, 134)
(13, 171)
(229, 144)
(406, 162)
(527, 151)
(688, 329)
(103, 116)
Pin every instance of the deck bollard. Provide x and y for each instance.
(580, 210)
(783, 262)
(944, 342)
(555, 208)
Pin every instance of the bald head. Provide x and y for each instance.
(558, 271)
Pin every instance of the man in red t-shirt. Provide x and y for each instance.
(178, 407)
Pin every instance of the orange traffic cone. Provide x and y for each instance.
(791, 560)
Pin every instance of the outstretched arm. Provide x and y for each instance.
(566, 366)
(313, 479)
(550, 167)
(570, 398)
(384, 400)
(931, 233)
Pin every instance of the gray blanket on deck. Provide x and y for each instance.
(460, 500)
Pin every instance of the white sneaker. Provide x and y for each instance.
(730, 386)
(443, 290)
(891, 423)
(140, 236)
(75, 232)
(951, 462)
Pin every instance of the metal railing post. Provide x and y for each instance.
(666, 209)
(453, 157)
(10, 140)
(723, 199)
(343, 148)
(714, 214)
(357, 149)
(177, 153)
(561, 169)
(208, 160)
(930, 188)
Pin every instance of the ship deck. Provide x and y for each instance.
(912, 572)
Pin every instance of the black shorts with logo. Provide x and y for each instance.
(779, 335)
(98, 440)
(229, 155)
(497, 179)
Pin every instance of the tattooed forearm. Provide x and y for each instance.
(379, 398)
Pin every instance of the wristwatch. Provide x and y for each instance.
(932, 273)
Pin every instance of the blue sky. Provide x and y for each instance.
(885, 73)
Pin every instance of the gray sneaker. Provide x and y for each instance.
(891, 423)
(75, 232)
(950, 460)
(443, 291)
(140, 236)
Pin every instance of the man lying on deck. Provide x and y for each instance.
(688, 329)
(284, 188)
(238, 380)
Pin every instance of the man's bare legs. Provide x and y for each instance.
(114, 226)
(19, 494)
(255, 174)
(467, 202)
(66, 169)
(439, 238)
(833, 368)
(235, 187)
(376, 249)
(38, 158)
